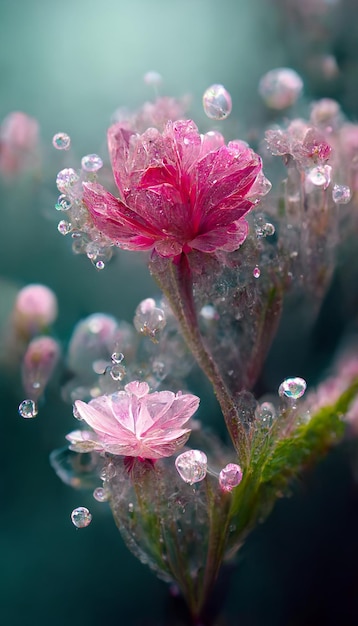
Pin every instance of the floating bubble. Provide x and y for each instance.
(256, 272)
(292, 388)
(280, 88)
(341, 194)
(63, 203)
(320, 176)
(217, 102)
(149, 319)
(91, 163)
(28, 409)
(117, 357)
(61, 141)
(100, 265)
(81, 517)
(66, 178)
(192, 466)
(230, 477)
(64, 227)
(100, 494)
(117, 372)
(152, 78)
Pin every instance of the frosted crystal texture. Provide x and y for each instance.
(192, 466)
(217, 102)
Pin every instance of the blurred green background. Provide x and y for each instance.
(70, 64)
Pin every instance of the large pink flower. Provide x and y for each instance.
(135, 422)
(179, 190)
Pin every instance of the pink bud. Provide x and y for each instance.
(18, 143)
(35, 310)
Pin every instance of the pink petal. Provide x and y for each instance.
(137, 388)
(228, 238)
(119, 137)
(100, 420)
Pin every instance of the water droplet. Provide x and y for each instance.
(61, 141)
(217, 102)
(100, 494)
(341, 194)
(149, 319)
(76, 413)
(100, 265)
(108, 472)
(265, 414)
(81, 517)
(230, 477)
(256, 272)
(66, 178)
(280, 88)
(64, 227)
(293, 388)
(152, 78)
(117, 357)
(28, 409)
(209, 313)
(63, 203)
(117, 372)
(320, 176)
(131, 507)
(91, 163)
(269, 229)
(192, 466)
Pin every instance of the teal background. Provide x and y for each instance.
(70, 64)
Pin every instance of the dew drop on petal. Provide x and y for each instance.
(91, 163)
(256, 272)
(61, 141)
(81, 517)
(63, 203)
(64, 227)
(341, 194)
(28, 409)
(280, 88)
(100, 494)
(230, 477)
(293, 388)
(66, 178)
(217, 102)
(192, 466)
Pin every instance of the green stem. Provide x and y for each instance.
(177, 285)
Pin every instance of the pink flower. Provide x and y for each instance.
(18, 143)
(135, 422)
(179, 190)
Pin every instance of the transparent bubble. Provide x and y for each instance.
(117, 372)
(117, 357)
(66, 179)
(63, 203)
(152, 78)
(320, 176)
(230, 477)
(256, 272)
(192, 466)
(61, 141)
(64, 227)
(280, 88)
(91, 163)
(265, 414)
(28, 409)
(292, 388)
(108, 472)
(100, 265)
(149, 319)
(81, 517)
(341, 194)
(100, 494)
(217, 102)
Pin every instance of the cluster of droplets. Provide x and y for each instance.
(76, 222)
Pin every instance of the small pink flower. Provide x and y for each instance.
(18, 143)
(179, 190)
(135, 422)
